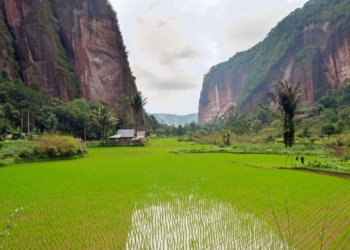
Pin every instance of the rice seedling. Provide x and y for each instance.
(194, 222)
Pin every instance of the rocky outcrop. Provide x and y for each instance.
(317, 53)
(43, 59)
(67, 48)
(92, 37)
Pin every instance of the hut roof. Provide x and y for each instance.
(126, 133)
(140, 135)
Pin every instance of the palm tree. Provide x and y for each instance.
(137, 102)
(287, 97)
(105, 119)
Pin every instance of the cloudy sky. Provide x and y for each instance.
(173, 43)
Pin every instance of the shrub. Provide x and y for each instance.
(36, 150)
(24, 153)
(52, 152)
(269, 139)
(57, 146)
(330, 143)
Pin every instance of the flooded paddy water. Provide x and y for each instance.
(197, 223)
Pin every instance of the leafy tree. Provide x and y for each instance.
(16, 132)
(328, 102)
(137, 102)
(329, 115)
(8, 112)
(328, 129)
(51, 122)
(125, 120)
(191, 128)
(23, 105)
(256, 125)
(105, 119)
(240, 126)
(339, 127)
(228, 118)
(344, 115)
(180, 131)
(7, 92)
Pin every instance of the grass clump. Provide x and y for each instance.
(58, 146)
(271, 148)
(45, 148)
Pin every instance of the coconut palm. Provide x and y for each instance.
(287, 97)
(105, 119)
(137, 102)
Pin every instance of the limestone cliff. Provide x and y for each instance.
(66, 48)
(311, 45)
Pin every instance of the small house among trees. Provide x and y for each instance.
(127, 136)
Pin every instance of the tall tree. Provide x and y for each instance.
(287, 97)
(105, 119)
(137, 102)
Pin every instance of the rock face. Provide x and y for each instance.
(66, 48)
(315, 51)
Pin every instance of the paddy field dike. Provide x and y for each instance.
(150, 198)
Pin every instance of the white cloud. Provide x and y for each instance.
(244, 31)
(173, 43)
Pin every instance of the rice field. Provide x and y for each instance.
(148, 198)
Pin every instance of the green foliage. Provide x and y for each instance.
(125, 121)
(240, 126)
(256, 125)
(287, 98)
(328, 129)
(271, 148)
(346, 81)
(302, 55)
(137, 102)
(105, 119)
(105, 192)
(334, 164)
(9, 226)
(61, 57)
(47, 147)
(270, 139)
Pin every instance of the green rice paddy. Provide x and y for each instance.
(148, 198)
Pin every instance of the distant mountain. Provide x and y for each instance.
(176, 120)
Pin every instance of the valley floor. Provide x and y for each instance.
(149, 198)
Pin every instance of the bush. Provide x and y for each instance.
(52, 152)
(330, 143)
(59, 146)
(24, 153)
(269, 139)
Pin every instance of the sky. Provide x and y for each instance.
(173, 43)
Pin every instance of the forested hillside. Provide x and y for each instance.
(176, 120)
(310, 45)
(61, 61)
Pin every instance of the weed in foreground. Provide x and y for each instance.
(9, 225)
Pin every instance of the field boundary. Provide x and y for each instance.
(342, 175)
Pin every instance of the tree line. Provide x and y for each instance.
(26, 112)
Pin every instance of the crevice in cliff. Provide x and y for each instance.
(8, 40)
(71, 79)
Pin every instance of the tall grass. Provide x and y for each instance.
(270, 148)
(51, 146)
